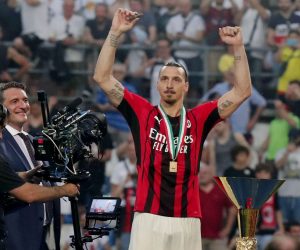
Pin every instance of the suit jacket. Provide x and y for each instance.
(24, 226)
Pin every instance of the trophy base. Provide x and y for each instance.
(246, 243)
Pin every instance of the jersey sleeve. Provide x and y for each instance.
(8, 178)
(133, 104)
(208, 114)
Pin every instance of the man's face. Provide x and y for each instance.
(16, 102)
(68, 8)
(101, 13)
(172, 86)
(285, 5)
(242, 158)
(205, 175)
(184, 7)
(163, 49)
(293, 92)
(171, 4)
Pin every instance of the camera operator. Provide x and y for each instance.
(27, 227)
(12, 183)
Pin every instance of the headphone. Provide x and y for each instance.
(3, 114)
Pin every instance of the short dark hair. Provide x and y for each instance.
(9, 85)
(264, 167)
(178, 65)
(295, 81)
(237, 150)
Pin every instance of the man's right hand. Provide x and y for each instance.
(123, 21)
(70, 189)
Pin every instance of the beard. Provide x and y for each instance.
(170, 101)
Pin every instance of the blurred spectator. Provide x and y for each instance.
(270, 216)
(288, 164)
(281, 23)
(87, 8)
(95, 33)
(217, 16)
(289, 58)
(123, 181)
(169, 10)
(186, 30)
(144, 31)
(240, 163)
(35, 121)
(297, 7)
(278, 131)
(55, 8)
(282, 242)
(218, 213)
(293, 229)
(116, 5)
(254, 24)
(117, 125)
(223, 141)
(97, 29)
(10, 19)
(35, 27)
(66, 31)
(220, 147)
(162, 56)
(241, 120)
(292, 97)
(10, 57)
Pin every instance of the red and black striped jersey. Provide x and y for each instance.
(160, 191)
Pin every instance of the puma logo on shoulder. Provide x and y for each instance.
(157, 119)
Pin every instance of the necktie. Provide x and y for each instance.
(29, 148)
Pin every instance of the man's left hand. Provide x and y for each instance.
(231, 35)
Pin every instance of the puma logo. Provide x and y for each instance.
(157, 119)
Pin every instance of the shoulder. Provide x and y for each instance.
(135, 101)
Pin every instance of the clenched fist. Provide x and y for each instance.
(231, 35)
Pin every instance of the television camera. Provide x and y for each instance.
(66, 138)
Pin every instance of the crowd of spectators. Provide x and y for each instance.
(62, 37)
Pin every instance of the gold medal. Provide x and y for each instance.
(173, 167)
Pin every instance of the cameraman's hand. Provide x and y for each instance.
(70, 189)
(29, 175)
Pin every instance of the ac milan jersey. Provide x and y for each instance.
(159, 191)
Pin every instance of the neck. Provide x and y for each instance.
(172, 110)
(240, 165)
(207, 186)
(16, 126)
(286, 14)
(224, 136)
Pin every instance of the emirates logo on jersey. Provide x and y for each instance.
(160, 141)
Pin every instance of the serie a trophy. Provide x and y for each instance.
(248, 195)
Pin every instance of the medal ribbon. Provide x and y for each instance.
(170, 136)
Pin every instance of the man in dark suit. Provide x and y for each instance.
(26, 227)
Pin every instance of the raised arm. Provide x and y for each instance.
(242, 87)
(123, 21)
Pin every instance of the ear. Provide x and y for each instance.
(187, 85)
